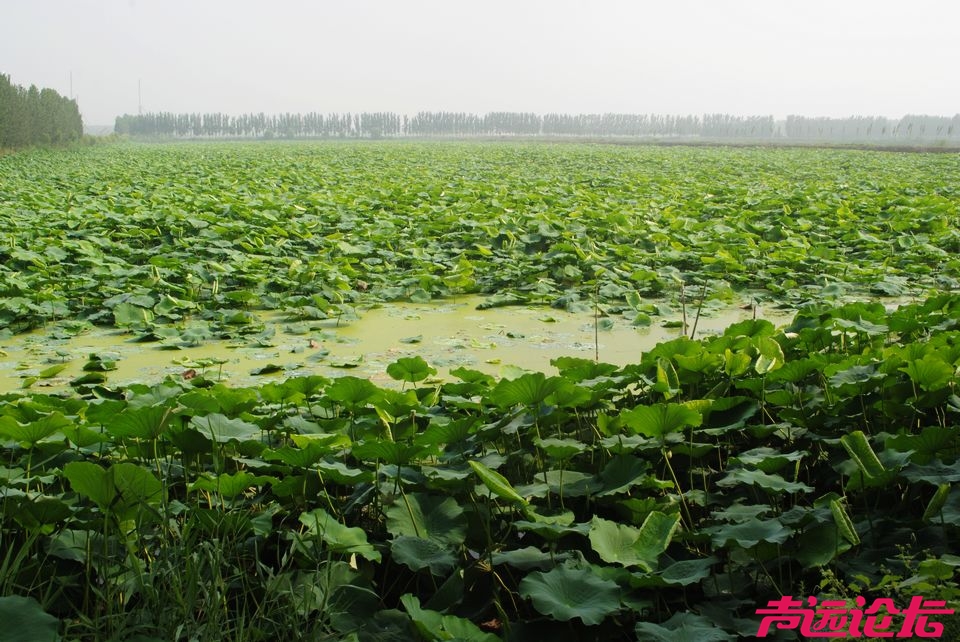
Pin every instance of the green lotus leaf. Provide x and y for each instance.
(629, 546)
(417, 554)
(222, 429)
(24, 620)
(340, 538)
(566, 593)
(767, 481)
(527, 390)
(433, 625)
(433, 517)
(749, 533)
(660, 419)
(683, 627)
(410, 369)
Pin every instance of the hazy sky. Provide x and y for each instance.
(810, 57)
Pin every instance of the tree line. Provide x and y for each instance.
(36, 116)
(912, 128)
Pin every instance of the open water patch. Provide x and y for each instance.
(447, 334)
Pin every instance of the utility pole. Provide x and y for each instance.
(139, 99)
(71, 84)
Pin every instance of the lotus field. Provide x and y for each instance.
(665, 494)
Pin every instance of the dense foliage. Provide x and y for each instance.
(36, 116)
(667, 499)
(141, 236)
(909, 130)
(659, 501)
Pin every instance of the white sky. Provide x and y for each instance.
(810, 57)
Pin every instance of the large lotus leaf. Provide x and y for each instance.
(820, 545)
(417, 554)
(770, 357)
(688, 572)
(305, 386)
(749, 533)
(120, 488)
(434, 625)
(340, 538)
(566, 593)
(390, 452)
(103, 410)
(937, 503)
(136, 484)
(410, 369)
(433, 517)
(578, 369)
(392, 404)
(231, 485)
(352, 392)
(623, 444)
(39, 511)
(560, 448)
(147, 422)
(357, 608)
(699, 362)
(935, 473)
(496, 483)
(771, 482)
(727, 414)
(203, 401)
(628, 546)
(52, 371)
(660, 419)
(75, 545)
(615, 543)
(528, 558)
(621, 473)
(862, 325)
(453, 432)
(222, 429)
(310, 449)
(853, 380)
(668, 382)
(930, 373)
(24, 620)
(129, 314)
(339, 473)
(570, 395)
(797, 369)
(858, 447)
(92, 481)
(738, 512)
(34, 431)
(168, 304)
(766, 459)
(569, 483)
(140, 395)
(468, 375)
(753, 328)
(683, 627)
(844, 523)
(527, 390)
(552, 527)
(736, 364)
(932, 441)
(233, 401)
(891, 460)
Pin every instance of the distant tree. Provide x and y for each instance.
(36, 116)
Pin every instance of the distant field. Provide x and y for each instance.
(134, 234)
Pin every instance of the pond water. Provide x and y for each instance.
(446, 334)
